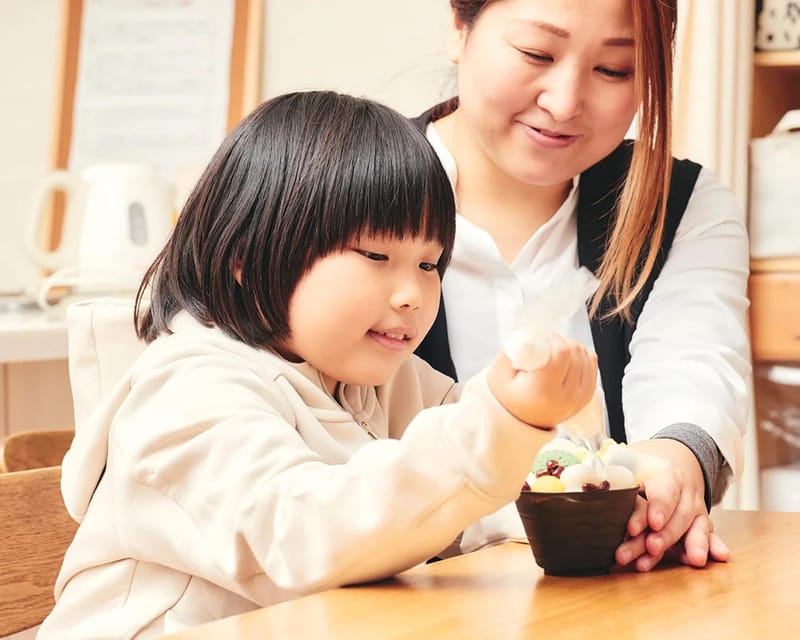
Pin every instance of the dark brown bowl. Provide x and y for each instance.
(576, 534)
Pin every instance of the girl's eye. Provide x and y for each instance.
(378, 257)
(428, 266)
(615, 75)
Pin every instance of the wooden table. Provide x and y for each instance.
(500, 593)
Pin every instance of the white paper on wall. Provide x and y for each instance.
(153, 82)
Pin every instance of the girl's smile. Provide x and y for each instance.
(393, 339)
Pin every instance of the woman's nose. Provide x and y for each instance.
(561, 93)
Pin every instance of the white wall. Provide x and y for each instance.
(388, 50)
(28, 44)
(384, 49)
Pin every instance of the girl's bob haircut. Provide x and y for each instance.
(303, 176)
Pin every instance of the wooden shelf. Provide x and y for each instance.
(789, 58)
(772, 265)
(775, 316)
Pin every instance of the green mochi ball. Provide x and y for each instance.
(564, 458)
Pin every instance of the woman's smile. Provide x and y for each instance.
(549, 139)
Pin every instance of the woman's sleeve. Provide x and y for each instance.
(690, 354)
(214, 479)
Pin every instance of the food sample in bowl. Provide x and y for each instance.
(575, 504)
(563, 465)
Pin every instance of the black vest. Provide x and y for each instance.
(599, 188)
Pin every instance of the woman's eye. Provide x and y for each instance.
(615, 75)
(378, 257)
(536, 57)
(428, 266)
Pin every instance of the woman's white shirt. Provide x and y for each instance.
(690, 355)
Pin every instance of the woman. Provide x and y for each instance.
(534, 146)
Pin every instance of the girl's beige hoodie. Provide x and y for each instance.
(216, 478)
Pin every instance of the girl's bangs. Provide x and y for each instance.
(394, 186)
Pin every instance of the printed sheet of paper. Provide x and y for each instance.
(153, 83)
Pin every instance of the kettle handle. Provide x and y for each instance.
(57, 180)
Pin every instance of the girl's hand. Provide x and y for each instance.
(671, 516)
(551, 394)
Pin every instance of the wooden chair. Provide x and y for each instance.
(35, 531)
(34, 449)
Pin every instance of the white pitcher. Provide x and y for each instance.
(117, 218)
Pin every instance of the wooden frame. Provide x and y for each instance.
(244, 90)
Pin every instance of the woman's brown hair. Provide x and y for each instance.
(635, 238)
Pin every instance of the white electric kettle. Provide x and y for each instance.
(118, 217)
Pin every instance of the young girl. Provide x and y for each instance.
(547, 89)
(277, 436)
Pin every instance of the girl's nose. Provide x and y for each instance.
(561, 93)
(407, 293)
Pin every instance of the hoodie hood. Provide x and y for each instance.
(102, 346)
(103, 355)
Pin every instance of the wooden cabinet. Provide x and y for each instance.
(775, 315)
(34, 376)
(775, 303)
(774, 288)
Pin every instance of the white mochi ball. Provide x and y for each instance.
(620, 477)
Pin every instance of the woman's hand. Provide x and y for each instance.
(671, 516)
(551, 394)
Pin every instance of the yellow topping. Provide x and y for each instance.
(548, 484)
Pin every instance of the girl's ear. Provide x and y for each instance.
(455, 38)
(237, 271)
